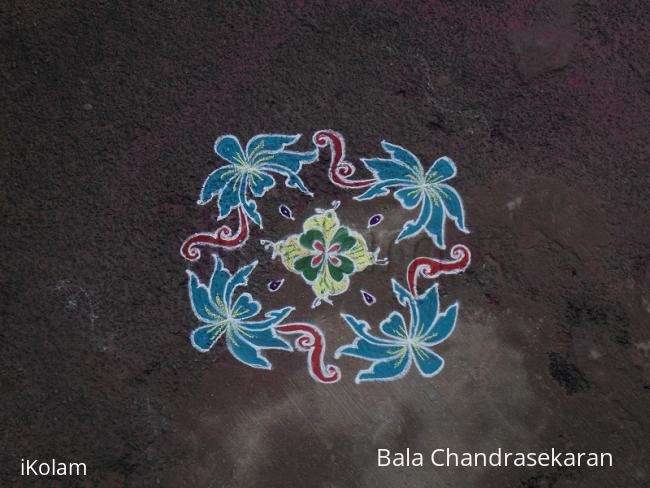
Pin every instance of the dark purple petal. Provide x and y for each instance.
(285, 212)
(375, 219)
(274, 285)
(368, 298)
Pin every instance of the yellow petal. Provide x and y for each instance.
(325, 286)
(359, 253)
(327, 222)
(290, 251)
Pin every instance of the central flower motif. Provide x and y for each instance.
(325, 255)
(323, 252)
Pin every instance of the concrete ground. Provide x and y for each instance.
(110, 111)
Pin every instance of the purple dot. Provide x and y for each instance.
(375, 219)
(368, 298)
(285, 212)
(275, 285)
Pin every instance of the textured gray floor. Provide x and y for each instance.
(109, 116)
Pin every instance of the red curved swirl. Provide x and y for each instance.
(222, 237)
(313, 342)
(432, 268)
(340, 170)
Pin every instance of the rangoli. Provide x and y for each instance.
(326, 252)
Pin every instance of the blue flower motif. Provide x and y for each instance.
(402, 344)
(252, 170)
(415, 188)
(222, 314)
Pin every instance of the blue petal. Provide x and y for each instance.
(244, 351)
(291, 161)
(435, 227)
(230, 196)
(389, 169)
(273, 317)
(427, 362)
(218, 281)
(403, 155)
(413, 227)
(249, 206)
(387, 370)
(268, 142)
(228, 148)
(394, 326)
(260, 183)
(380, 189)
(402, 294)
(202, 305)
(292, 179)
(427, 308)
(409, 197)
(405, 298)
(442, 327)
(245, 307)
(362, 329)
(453, 204)
(216, 182)
(265, 339)
(443, 169)
(205, 337)
(363, 349)
(239, 278)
